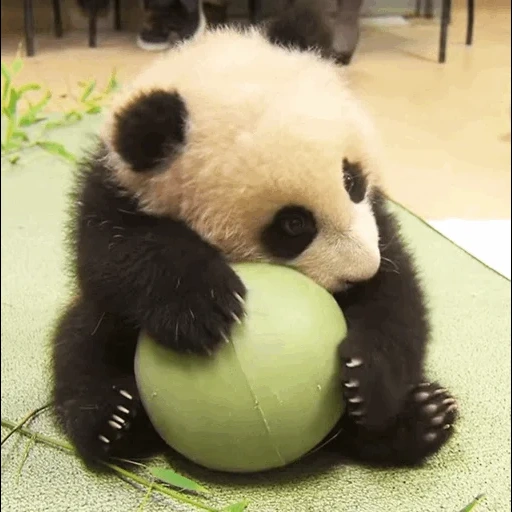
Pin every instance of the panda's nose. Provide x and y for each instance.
(344, 58)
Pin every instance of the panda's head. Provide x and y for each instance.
(260, 149)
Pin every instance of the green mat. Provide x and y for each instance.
(470, 354)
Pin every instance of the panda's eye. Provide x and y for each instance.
(348, 182)
(290, 232)
(354, 181)
(293, 225)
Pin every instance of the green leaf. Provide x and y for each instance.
(14, 159)
(473, 504)
(95, 109)
(12, 106)
(16, 66)
(69, 119)
(18, 134)
(31, 117)
(57, 149)
(88, 90)
(112, 84)
(5, 72)
(7, 82)
(11, 145)
(28, 87)
(74, 116)
(51, 125)
(236, 507)
(41, 104)
(29, 120)
(170, 477)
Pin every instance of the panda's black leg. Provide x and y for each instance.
(422, 427)
(96, 399)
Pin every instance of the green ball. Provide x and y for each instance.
(268, 396)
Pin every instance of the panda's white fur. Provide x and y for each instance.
(267, 126)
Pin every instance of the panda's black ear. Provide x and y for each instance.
(150, 129)
(301, 25)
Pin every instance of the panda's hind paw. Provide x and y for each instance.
(421, 428)
(433, 411)
(125, 407)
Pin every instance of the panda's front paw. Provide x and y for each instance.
(201, 313)
(373, 396)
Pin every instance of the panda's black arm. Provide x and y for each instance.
(155, 272)
(387, 330)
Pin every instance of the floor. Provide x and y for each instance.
(446, 128)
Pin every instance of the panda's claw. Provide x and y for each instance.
(124, 393)
(236, 318)
(351, 384)
(421, 396)
(123, 406)
(437, 420)
(118, 419)
(355, 362)
(430, 437)
(239, 298)
(123, 409)
(430, 409)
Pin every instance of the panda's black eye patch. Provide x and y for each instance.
(292, 229)
(355, 181)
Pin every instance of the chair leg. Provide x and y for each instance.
(445, 17)
(417, 10)
(254, 10)
(429, 9)
(117, 14)
(57, 18)
(28, 18)
(471, 21)
(93, 29)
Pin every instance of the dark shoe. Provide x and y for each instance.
(166, 17)
(155, 32)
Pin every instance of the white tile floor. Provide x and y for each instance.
(487, 240)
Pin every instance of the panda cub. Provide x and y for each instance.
(240, 145)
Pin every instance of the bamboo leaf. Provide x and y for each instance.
(12, 106)
(28, 87)
(236, 507)
(14, 159)
(95, 109)
(7, 82)
(73, 116)
(5, 72)
(88, 90)
(473, 504)
(69, 119)
(18, 134)
(112, 84)
(57, 149)
(42, 103)
(16, 66)
(12, 145)
(29, 120)
(170, 477)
